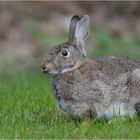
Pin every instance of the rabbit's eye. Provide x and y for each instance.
(65, 53)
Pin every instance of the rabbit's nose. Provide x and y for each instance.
(44, 68)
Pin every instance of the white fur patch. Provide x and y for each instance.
(118, 109)
(136, 73)
(62, 105)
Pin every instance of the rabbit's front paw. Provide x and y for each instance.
(76, 109)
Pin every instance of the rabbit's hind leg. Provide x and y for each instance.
(137, 107)
(134, 86)
(135, 90)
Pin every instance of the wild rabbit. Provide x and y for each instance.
(105, 86)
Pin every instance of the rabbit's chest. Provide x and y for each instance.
(80, 87)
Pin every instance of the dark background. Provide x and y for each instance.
(28, 29)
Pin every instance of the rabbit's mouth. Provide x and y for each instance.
(58, 70)
(44, 70)
(48, 71)
(49, 68)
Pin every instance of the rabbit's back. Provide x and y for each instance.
(112, 66)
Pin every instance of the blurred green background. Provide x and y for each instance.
(27, 31)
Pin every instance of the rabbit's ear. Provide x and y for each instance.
(73, 24)
(82, 29)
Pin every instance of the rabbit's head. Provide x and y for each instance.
(70, 55)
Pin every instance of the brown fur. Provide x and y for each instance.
(84, 87)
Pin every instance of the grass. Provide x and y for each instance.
(28, 109)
